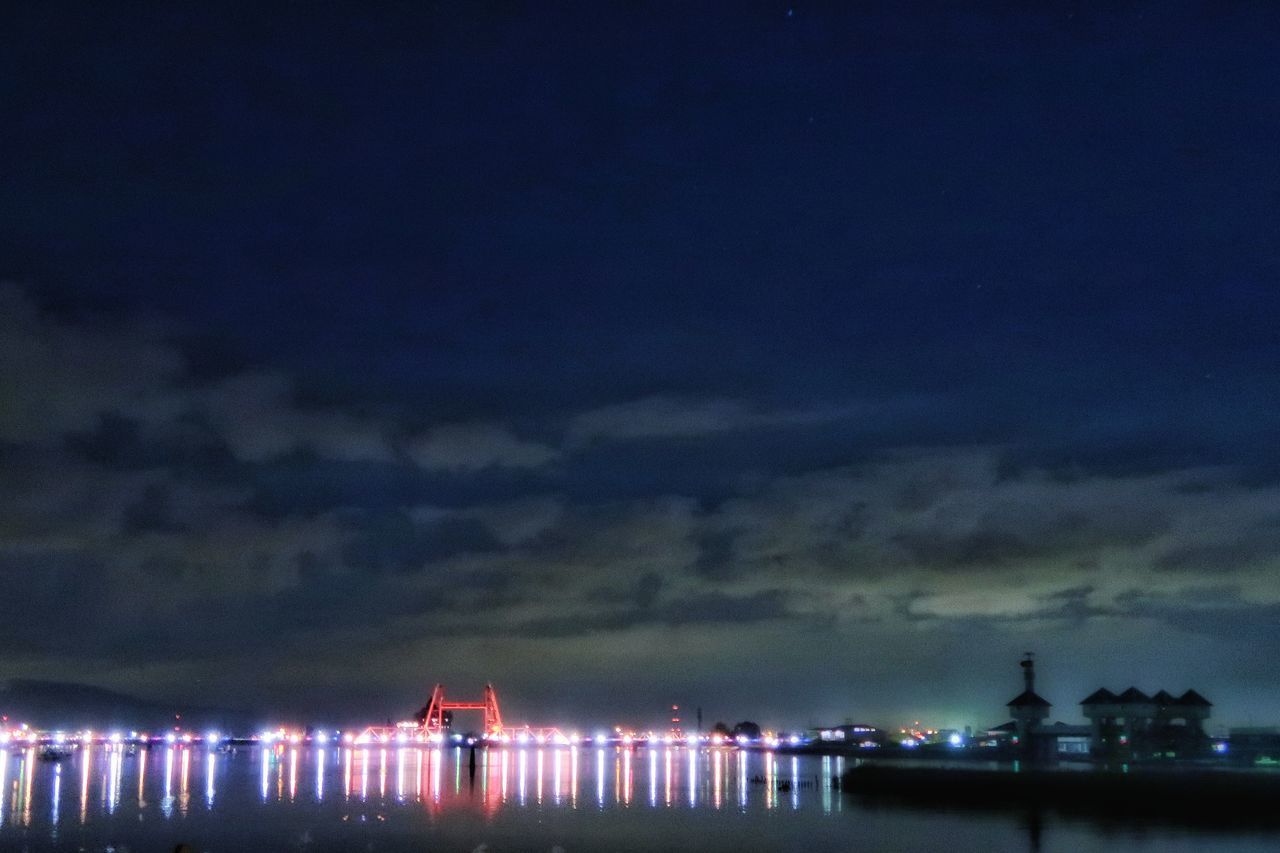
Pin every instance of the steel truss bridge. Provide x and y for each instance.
(435, 718)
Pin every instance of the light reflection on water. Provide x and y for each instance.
(500, 778)
(515, 790)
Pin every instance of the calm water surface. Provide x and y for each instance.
(309, 798)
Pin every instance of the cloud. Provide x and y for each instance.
(56, 377)
(663, 417)
(113, 386)
(394, 542)
(709, 608)
(476, 447)
(258, 418)
(193, 519)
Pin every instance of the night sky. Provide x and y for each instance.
(800, 362)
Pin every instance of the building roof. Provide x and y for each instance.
(1164, 697)
(1193, 698)
(1101, 696)
(1028, 699)
(1133, 694)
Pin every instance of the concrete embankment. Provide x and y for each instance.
(1186, 797)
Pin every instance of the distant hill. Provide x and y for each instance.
(64, 705)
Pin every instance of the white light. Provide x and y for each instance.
(212, 737)
(322, 738)
(955, 740)
(522, 738)
(794, 739)
(909, 743)
(116, 737)
(402, 738)
(601, 737)
(170, 737)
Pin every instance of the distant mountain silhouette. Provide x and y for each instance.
(58, 704)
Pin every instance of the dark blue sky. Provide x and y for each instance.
(798, 360)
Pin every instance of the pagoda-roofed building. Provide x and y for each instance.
(1133, 724)
(1029, 711)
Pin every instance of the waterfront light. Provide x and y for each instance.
(955, 740)
(170, 738)
(212, 737)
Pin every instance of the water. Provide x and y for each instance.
(314, 799)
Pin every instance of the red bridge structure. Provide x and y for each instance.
(433, 718)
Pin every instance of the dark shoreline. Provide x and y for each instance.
(1181, 797)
